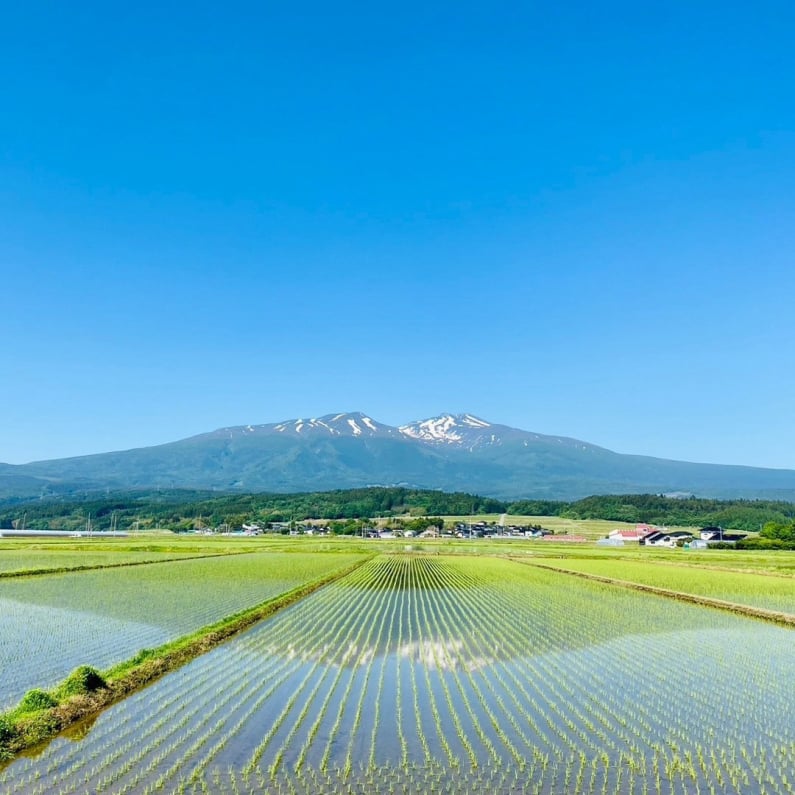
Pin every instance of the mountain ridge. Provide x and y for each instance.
(459, 452)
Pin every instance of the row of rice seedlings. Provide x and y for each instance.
(418, 606)
(572, 694)
(398, 662)
(390, 610)
(269, 637)
(495, 620)
(442, 650)
(568, 775)
(386, 608)
(433, 778)
(166, 765)
(459, 623)
(325, 648)
(417, 712)
(717, 721)
(506, 630)
(601, 699)
(719, 717)
(468, 630)
(189, 720)
(346, 661)
(399, 669)
(700, 707)
(222, 732)
(344, 702)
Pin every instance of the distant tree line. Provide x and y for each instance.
(185, 510)
(746, 515)
(773, 535)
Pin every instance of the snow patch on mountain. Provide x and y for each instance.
(342, 424)
(357, 431)
(454, 429)
(474, 422)
(460, 430)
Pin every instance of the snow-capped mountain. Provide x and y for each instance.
(453, 431)
(461, 430)
(454, 452)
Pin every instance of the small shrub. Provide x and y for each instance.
(82, 680)
(35, 700)
(764, 543)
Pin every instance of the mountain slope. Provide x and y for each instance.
(451, 452)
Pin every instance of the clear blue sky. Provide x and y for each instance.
(573, 218)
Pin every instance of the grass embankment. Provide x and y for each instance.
(44, 713)
(775, 616)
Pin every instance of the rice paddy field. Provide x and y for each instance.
(426, 672)
(18, 561)
(768, 591)
(50, 624)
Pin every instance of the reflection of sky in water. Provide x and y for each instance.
(681, 687)
(475, 626)
(443, 653)
(42, 644)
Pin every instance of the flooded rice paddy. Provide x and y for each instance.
(422, 673)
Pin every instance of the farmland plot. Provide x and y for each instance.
(17, 560)
(768, 591)
(50, 624)
(416, 673)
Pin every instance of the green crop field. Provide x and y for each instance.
(25, 560)
(421, 672)
(770, 592)
(55, 622)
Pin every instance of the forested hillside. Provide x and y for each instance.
(184, 510)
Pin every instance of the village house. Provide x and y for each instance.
(717, 535)
(630, 534)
